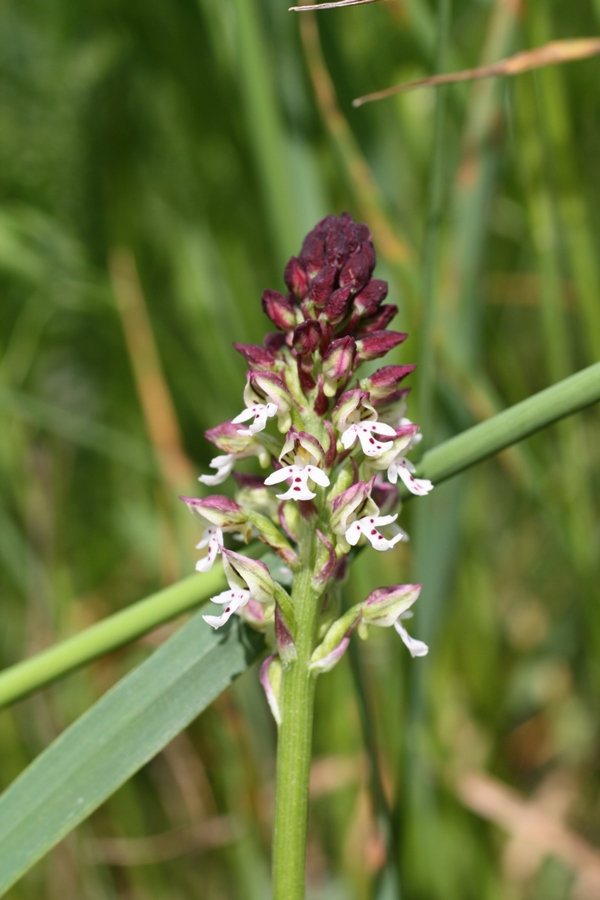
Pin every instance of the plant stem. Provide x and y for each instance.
(295, 736)
(513, 425)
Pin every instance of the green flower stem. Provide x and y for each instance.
(450, 458)
(113, 632)
(295, 735)
(514, 424)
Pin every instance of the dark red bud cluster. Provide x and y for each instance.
(334, 308)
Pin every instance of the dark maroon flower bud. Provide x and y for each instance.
(307, 337)
(371, 297)
(296, 278)
(383, 384)
(338, 363)
(274, 342)
(312, 255)
(378, 344)
(336, 307)
(322, 286)
(259, 359)
(358, 269)
(379, 321)
(279, 310)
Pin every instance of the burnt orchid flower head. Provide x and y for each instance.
(335, 447)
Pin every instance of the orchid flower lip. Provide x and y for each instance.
(235, 599)
(414, 646)
(213, 539)
(224, 466)
(261, 412)
(401, 467)
(367, 526)
(300, 475)
(364, 432)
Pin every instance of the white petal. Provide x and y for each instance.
(317, 475)
(379, 428)
(385, 520)
(224, 466)
(392, 473)
(282, 474)
(234, 599)
(415, 647)
(370, 446)
(297, 492)
(348, 438)
(418, 486)
(353, 534)
(244, 416)
(215, 543)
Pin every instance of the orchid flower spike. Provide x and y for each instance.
(328, 436)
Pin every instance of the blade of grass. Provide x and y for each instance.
(113, 632)
(513, 425)
(116, 737)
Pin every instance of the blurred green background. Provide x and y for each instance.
(159, 162)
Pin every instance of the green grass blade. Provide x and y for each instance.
(514, 424)
(115, 631)
(115, 738)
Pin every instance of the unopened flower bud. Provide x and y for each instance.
(384, 605)
(336, 307)
(307, 337)
(259, 359)
(377, 344)
(218, 510)
(358, 269)
(321, 287)
(383, 384)
(279, 310)
(371, 297)
(338, 364)
(296, 278)
(379, 321)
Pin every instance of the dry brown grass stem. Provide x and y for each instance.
(548, 55)
(332, 5)
(155, 398)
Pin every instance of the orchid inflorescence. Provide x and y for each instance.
(336, 448)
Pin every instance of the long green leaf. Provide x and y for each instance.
(116, 737)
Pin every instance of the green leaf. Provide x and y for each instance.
(116, 737)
